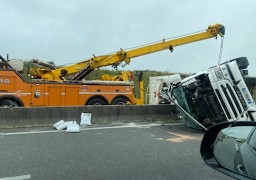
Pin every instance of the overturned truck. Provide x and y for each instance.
(215, 95)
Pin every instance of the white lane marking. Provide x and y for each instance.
(23, 177)
(132, 125)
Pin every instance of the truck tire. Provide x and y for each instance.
(8, 103)
(120, 101)
(242, 62)
(250, 81)
(97, 102)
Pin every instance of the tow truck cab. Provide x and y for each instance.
(217, 94)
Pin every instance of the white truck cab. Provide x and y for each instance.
(216, 95)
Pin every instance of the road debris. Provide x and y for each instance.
(86, 119)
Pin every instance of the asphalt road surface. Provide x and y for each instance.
(121, 151)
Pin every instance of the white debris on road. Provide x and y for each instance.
(72, 126)
(61, 125)
(86, 119)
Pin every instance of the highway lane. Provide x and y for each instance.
(121, 151)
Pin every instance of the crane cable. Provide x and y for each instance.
(221, 49)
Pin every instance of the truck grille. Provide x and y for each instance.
(234, 99)
(229, 100)
(223, 104)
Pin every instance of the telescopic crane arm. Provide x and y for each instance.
(83, 68)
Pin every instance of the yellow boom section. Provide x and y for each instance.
(83, 68)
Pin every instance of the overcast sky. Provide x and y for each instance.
(68, 31)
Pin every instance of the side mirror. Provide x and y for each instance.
(230, 148)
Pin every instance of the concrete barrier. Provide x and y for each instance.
(47, 116)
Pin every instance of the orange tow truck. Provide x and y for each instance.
(15, 91)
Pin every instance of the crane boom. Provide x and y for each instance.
(81, 69)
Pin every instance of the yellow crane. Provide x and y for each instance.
(81, 69)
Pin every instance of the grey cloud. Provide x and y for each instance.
(68, 31)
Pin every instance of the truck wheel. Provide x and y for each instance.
(250, 81)
(120, 101)
(97, 102)
(242, 62)
(8, 103)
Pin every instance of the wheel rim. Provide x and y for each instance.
(121, 103)
(4, 105)
(8, 104)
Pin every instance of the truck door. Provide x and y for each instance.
(37, 95)
(54, 97)
(71, 97)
